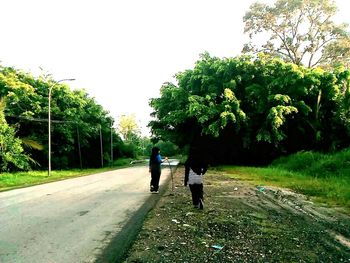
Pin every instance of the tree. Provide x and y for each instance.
(253, 110)
(298, 31)
(167, 148)
(76, 120)
(128, 127)
(11, 150)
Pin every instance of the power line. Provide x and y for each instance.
(78, 135)
(38, 119)
(55, 121)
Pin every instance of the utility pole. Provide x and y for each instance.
(49, 120)
(80, 162)
(111, 143)
(101, 146)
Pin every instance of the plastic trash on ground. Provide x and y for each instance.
(261, 189)
(217, 247)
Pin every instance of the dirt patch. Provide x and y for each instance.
(241, 223)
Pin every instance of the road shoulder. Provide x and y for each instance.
(240, 223)
(118, 246)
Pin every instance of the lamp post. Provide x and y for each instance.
(49, 120)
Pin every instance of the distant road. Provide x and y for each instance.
(72, 220)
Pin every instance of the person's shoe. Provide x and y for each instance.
(201, 204)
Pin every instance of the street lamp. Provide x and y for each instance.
(50, 90)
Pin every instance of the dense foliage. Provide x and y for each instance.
(128, 127)
(317, 164)
(253, 110)
(299, 31)
(11, 150)
(76, 118)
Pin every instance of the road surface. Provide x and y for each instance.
(74, 220)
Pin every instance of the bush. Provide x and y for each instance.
(168, 148)
(12, 156)
(128, 150)
(316, 164)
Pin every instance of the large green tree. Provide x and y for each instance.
(253, 108)
(11, 150)
(299, 31)
(77, 120)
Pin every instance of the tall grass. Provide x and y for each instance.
(317, 164)
(324, 177)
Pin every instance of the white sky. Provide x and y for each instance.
(121, 52)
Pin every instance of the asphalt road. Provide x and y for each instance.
(74, 220)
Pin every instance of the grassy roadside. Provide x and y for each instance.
(240, 223)
(10, 181)
(322, 177)
(332, 190)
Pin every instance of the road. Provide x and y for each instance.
(73, 220)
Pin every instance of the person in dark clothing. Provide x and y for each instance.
(195, 167)
(154, 168)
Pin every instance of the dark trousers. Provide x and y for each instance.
(155, 176)
(197, 193)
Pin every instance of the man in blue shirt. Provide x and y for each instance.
(154, 168)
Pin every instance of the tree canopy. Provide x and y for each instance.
(11, 150)
(127, 126)
(298, 31)
(76, 120)
(254, 109)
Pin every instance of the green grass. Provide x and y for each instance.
(324, 177)
(317, 164)
(23, 179)
(332, 190)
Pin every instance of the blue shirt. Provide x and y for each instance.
(157, 162)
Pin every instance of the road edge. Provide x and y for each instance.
(117, 249)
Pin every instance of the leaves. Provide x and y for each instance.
(73, 114)
(128, 127)
(11, 151)
(298, 31)
(241, 104)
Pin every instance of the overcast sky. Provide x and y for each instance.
(121, 52)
